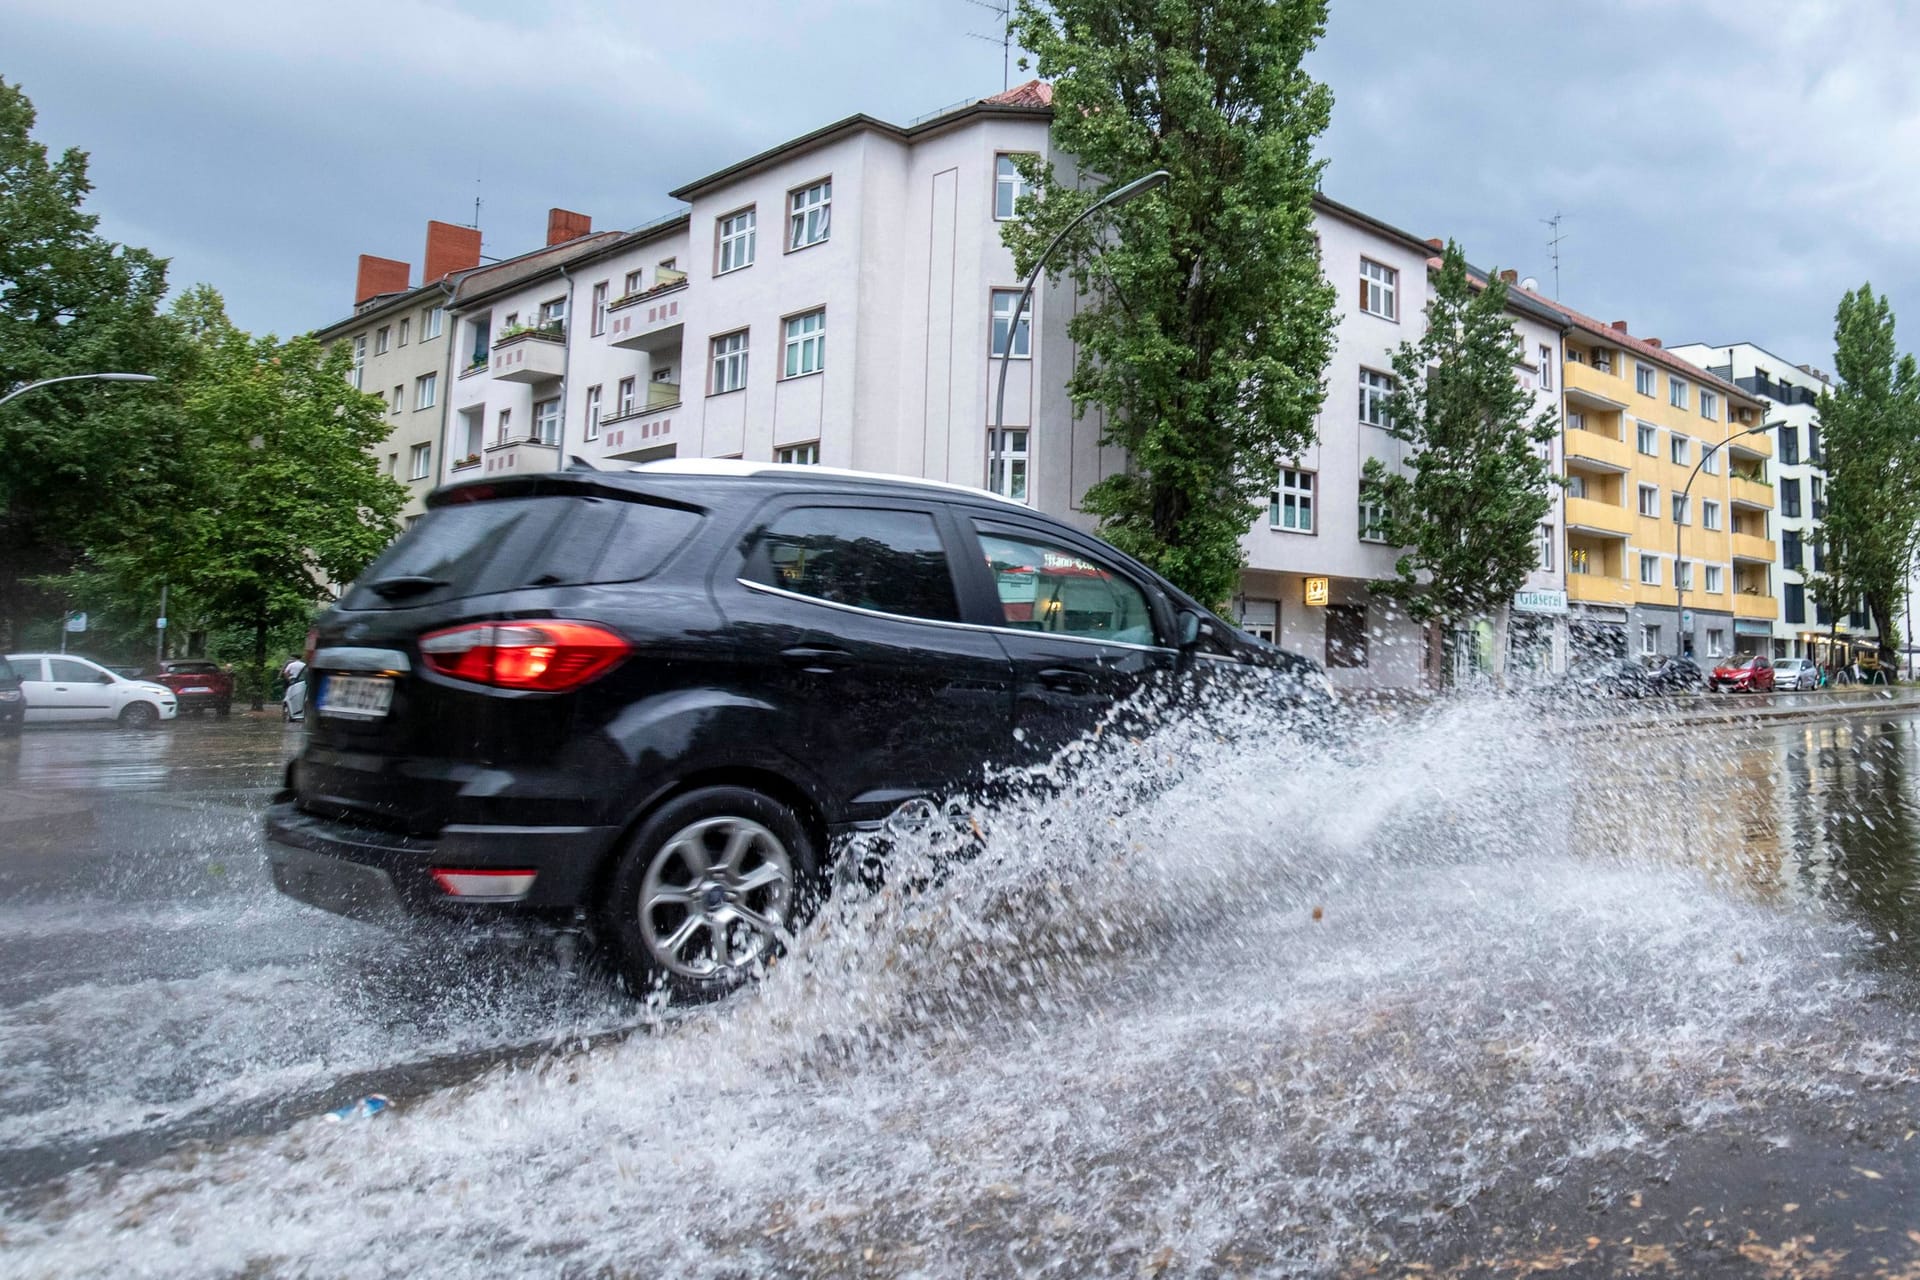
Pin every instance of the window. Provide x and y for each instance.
(1346, 635)
(1007, 463)
(421, 461)
(1292, 503)
(382, 339)
(546, 421)
(431, 322)
(399, 398)
(1647, 438)
(1379, 290)
(729, 362)
(1004, 301)
(355, 374)
(1819, 545)
(1709, 404)
(1813, 442)
(1546, 548)
(503, 425)
(1819, 507)
(737, 237)
(626, 402)
(1373, 522)
(1710, 462)
(1676, 393)
(1709, 514)
(799, 455)
(1650, 570)
(1796, 602)
(1683, 574)
(1374, 390)
(1576, 485)
(405, 327)
(553, 312)
(1790, 496)
(1790, 548)
(1603, 360)
(393, 464)
(1649, 639)
(1680, 504)
(473, 423)
(600, 307)
(1008, 187)
(593, 413)
(806, 349)
(809, 211)
(426, 390)
(1546, 367)
(636, 282)
(865, 557)
(1789, 445)
(1716, 641)
(1051, 588)
(1680, 449)
(1714, 585)
(1649, 500)
(1643, 379)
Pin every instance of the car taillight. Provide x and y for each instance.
(542, 656)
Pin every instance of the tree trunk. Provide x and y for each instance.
(1497, 660)
(1880, 610)
(259, 660)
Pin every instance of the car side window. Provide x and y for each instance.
(1048, 587)
(67, 671)
(30, 668)
(871, 558)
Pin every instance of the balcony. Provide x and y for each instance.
(520, 454)
(1593, 449)
(1754, 605)
(651, 319)
(1595, 588)
(1748, 546)
(1600, 519)
(1594, 388)
(1751, 493)
(644, 428)
(531, 355)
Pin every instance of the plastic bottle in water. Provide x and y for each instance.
(366, 1108)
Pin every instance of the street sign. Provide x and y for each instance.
(76, 622)
(160, 624)
(1686, 619)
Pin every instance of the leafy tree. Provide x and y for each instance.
(1469, 513)
(1870, 428)
(1207, 322)
(83, 459)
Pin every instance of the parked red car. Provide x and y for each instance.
(1743, 675)
(197, 684)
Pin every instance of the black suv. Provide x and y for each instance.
(13, 703)
(650, 700)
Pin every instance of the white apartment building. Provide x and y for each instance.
(1791, 392)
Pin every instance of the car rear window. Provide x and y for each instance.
(478, 548)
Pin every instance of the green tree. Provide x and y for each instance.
(287, 499)
(84, 459)
(1206, 322)
(1468, 507)
(1870, 431)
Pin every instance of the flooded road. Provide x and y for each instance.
(1476, 993)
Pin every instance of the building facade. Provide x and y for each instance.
(1657, 447)
(1803, 628)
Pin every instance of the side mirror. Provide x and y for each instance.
(1189, 627)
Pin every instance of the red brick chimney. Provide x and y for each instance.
(377, 276)
(449, 249)
(1652, 342)
(1620, 326)
(564, 225)
(1437, 243)
(1509, 277)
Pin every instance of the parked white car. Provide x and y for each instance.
(61, 688)
(1795, 673)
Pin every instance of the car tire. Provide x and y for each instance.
(139, 715)
(223, 709)
(672, 918)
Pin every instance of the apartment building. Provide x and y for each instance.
(398, 336)
(1656, 446)
(1791, 392)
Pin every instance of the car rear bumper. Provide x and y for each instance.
(368, 874)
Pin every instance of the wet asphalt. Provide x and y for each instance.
(156, 994)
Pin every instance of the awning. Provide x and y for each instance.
(1751, 627)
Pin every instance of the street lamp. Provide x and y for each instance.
(80, 377)
(1679, 579)
(1119, 195)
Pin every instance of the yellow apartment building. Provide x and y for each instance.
(1638, 424)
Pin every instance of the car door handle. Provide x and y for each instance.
(819, 661)
(1067, 680)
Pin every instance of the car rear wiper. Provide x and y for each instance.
(411, 584)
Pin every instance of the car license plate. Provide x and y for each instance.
(355, 697)
(198, 688)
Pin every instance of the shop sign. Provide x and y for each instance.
(1546, 601)
(1317, 591)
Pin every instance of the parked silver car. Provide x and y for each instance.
(1795, 673)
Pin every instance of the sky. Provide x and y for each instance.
(1724, 169)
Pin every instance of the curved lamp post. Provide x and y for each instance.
(79, 377)
(1119, 195)
(1679, 579)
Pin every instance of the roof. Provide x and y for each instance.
(1033, 99)
(739, 469)
(382, 303)
(1644, 350)
(487, 282)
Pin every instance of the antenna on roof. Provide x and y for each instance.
(1002, 9)
(1553, 248)
(475, 224)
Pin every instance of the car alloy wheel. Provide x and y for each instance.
(716, 899)
(139, 715)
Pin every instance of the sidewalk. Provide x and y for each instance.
(1730, 708)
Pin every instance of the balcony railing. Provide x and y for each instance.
(660, 395)
(668, 280)
(549, 331)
